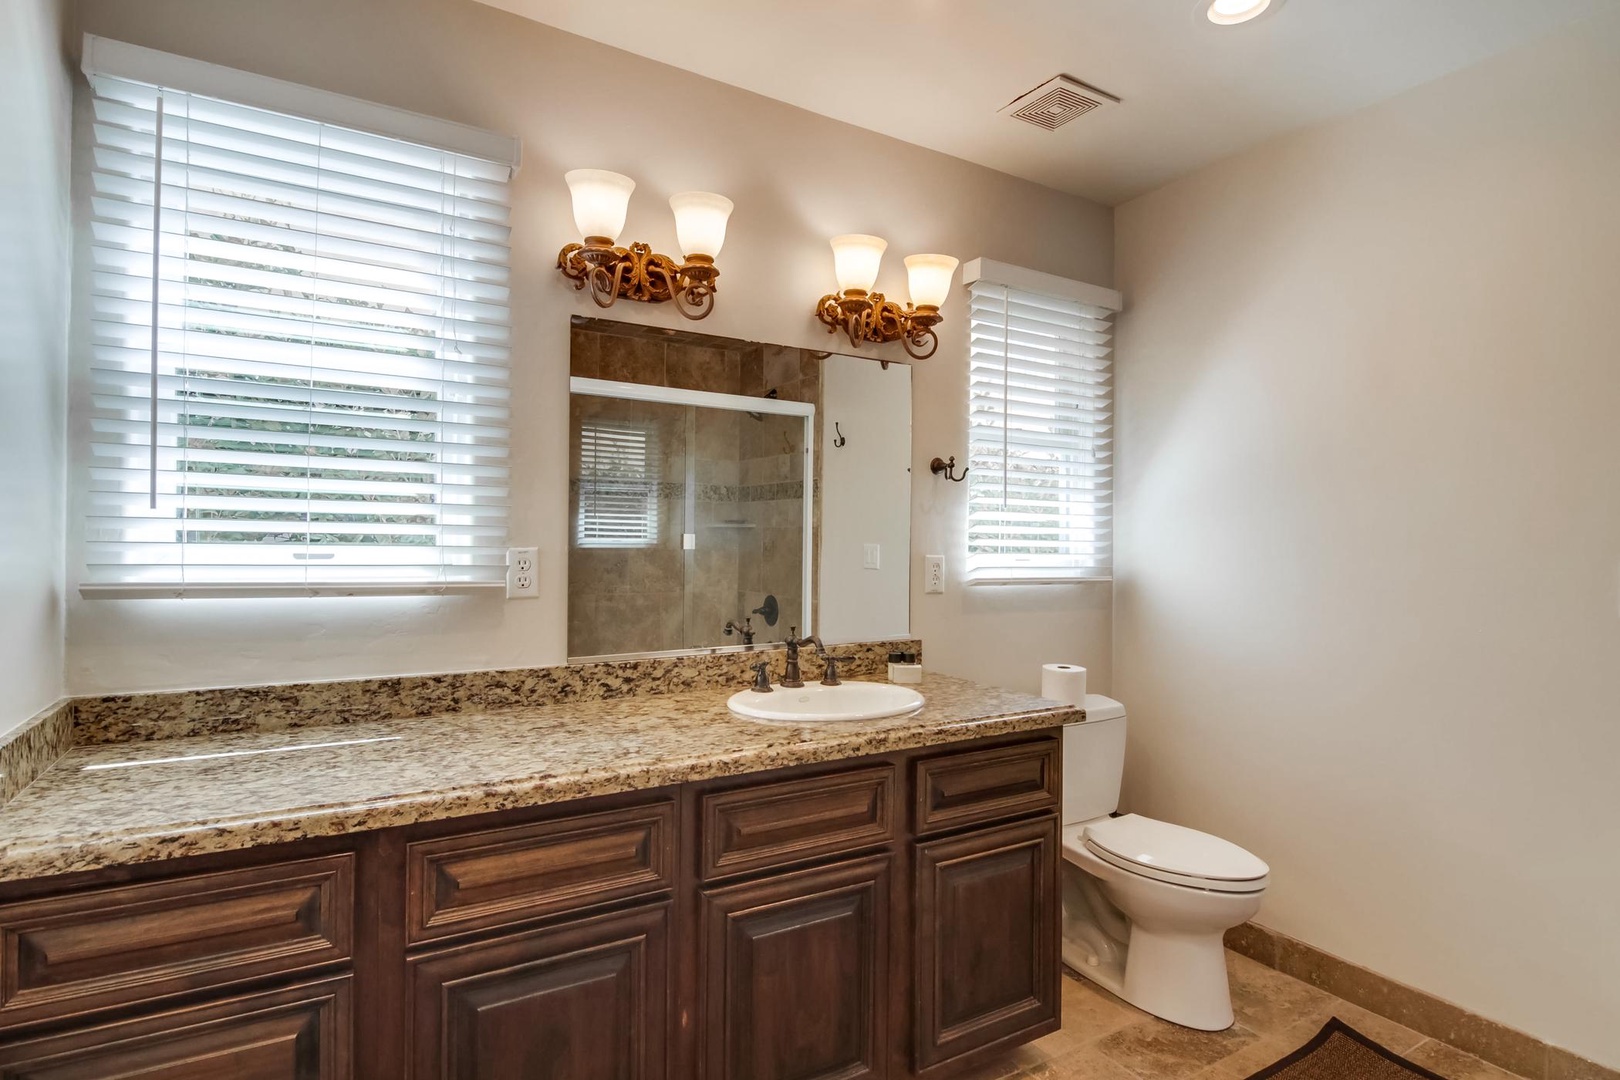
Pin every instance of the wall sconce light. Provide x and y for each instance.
(601, 199)
(867, 316)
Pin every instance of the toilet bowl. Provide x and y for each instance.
(1146, 903)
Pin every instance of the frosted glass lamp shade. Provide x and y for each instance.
(855, 260)
(929, 277)
(700, 222)
(600, 201)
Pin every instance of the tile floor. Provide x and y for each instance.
(1105, 1039)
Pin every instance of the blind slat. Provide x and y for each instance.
(1039, 437)
(330, 354)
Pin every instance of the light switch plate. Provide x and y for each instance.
(874, 557)
(522, 579)
(934, 574)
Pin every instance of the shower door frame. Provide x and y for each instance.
(707, 399)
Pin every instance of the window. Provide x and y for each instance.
(618, 485)
(313, 397)
(1040, 430)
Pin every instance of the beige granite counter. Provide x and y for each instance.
(119, 803)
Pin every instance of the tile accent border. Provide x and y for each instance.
(30, 749)
(1502, 1046)
(173, 714)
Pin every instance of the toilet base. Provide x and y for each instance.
(1157, 945)
(1179, 977)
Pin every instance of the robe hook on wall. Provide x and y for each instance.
(939, 465)
(840, 440)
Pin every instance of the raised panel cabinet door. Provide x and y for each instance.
(987, 925)
(584, 1000)
(794, 980)
(61, 956)
(302, 1033)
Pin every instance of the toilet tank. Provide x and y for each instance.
(1093, 760)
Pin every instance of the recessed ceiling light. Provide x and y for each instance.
(1232, 12)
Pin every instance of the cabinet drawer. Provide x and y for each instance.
(773, 824)
(982, 785)
(502, 876)
(104, 947)
(301, 1033)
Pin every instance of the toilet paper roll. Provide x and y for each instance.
(1064, 682)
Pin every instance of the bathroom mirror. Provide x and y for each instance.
(722, 491)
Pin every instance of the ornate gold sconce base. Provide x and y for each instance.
(639, 273)
(869, 317)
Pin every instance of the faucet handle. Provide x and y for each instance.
(830, 678)
(762, 677)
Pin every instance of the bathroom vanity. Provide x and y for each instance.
(640, 887)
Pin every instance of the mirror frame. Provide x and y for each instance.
(667, 395)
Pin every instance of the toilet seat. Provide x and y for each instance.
(1173, 853)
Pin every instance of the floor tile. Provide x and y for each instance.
(1453, 1064)
(1379, 1029)
(1267, 1002)
(1154, 1049)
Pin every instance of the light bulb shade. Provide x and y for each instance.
(700, 222)
(929, 277)
(600, 201)
(855, 260)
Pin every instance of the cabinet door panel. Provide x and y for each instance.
(795, 982)
(987, 939)
(580, 1001)
(959, 789)
(502, 876)
(98, 948)
(296, 1034)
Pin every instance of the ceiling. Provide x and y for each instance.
(935, 72)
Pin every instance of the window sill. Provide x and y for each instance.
(176, 591)
(995, 581)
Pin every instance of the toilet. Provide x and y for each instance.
(1146, 903)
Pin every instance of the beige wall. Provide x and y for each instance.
(1367, 621)
(796, 178)
(34, 246)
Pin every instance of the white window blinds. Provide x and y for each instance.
(1040, 435)
(299, 357)
(618, 485)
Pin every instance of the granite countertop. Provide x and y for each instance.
(122, 803)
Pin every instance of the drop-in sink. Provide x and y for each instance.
(814, 703)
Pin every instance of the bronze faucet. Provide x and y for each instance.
(792, 679)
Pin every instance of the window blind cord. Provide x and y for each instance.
(157, 256)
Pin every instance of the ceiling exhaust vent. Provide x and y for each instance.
(1057, 101)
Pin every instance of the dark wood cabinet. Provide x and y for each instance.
(987, 924)
(793, 925)
(301, 1033)
(795, 975)
(583, 1000)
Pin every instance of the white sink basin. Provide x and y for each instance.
(814, 702)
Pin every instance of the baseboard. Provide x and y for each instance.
(1502, 1046)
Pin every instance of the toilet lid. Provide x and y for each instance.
(1174, 853)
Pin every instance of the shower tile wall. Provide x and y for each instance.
(746, 498)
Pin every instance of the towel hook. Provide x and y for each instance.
(939, 465)
(840, 441)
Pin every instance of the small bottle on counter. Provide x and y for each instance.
(904, 668)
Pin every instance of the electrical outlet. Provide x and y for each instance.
(934, 574)
(522, 583)
(873, 557)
